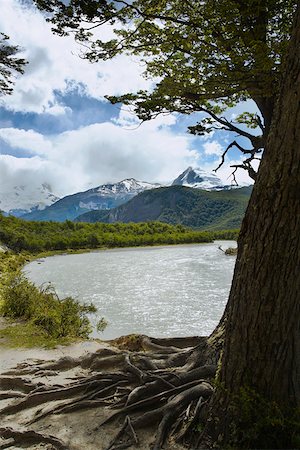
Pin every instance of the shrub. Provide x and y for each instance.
(18, 296)
(41, 306)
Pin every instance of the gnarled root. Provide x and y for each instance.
(163, 383)
(29, 437)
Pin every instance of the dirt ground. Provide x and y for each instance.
(79, 430)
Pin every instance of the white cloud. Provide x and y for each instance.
(24, 172)
(213, 148)
(54, 64)
(26, 139)
(80, 159)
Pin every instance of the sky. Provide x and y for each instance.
(57, 127)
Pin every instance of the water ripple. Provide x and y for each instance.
(161, 291)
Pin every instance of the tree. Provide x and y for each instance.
(9, 64)
(261, 356)
(257, 395)
(207, 56)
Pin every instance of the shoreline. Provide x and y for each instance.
(13, 357)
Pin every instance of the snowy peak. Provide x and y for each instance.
(106, 196)
(127, 186)
(199, 179)
(24, 199)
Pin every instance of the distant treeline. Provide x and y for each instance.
(45, 236)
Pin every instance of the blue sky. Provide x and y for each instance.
(57, 128)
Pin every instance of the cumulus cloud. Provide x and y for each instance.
(31, 172)
(29, 140)
(213, 148)
(54, 64)
(99, 153)
(77, 160)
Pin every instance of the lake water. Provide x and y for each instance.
(159, 291)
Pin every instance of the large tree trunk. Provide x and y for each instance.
(261, 357)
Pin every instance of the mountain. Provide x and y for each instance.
(180, 205)
(103, 197)
(26, 199)
(200, 179)
(109, 196)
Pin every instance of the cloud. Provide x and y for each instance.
(79, 159)
(92, 154)
(24, 172)
(28, 140)
(213, 148)
(107, 152)
(55, 65)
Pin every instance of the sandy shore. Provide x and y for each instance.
(11, 357)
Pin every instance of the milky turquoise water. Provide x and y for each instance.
(159, 291)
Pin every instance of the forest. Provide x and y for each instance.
(34, 237)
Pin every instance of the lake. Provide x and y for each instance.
(161, 291)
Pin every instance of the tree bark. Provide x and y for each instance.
(262, 337)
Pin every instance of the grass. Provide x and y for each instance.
(36, 316)
(28, 335)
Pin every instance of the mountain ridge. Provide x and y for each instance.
(108, 196)
(183, 205)
(102, 197)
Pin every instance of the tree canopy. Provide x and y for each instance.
(10, 64)
(206, 56)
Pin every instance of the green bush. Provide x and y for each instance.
(18, 297)
(35, 237)
(41, 306)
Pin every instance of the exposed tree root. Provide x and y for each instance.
(164, 382)
(28, 437)
(15, 383)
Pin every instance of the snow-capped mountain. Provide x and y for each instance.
(199, 179)
(41, 204)
(103, 197)
(24, 199)
(129, 185)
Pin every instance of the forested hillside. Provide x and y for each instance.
(195, 208)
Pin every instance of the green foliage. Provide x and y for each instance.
(37, 237)
(21, 299)
(101, 325)
(202, 50)
(26, 334)
(261, 423)
(9, 64)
